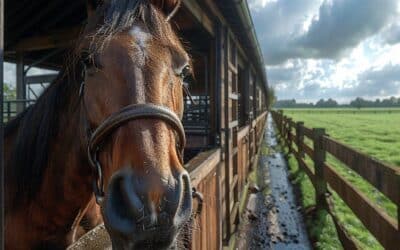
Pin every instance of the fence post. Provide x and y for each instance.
(289, 137)
(319, 160)
(398, 202)
(281, 121)
(300, 138)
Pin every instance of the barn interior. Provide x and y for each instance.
(41, 33)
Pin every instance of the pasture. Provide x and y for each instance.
(375, 132)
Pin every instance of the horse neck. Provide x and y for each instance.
(65, 186)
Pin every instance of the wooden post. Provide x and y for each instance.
(398, 202)
(300, 138)
(319, 160)
(280, 112)
(289, 137)
(1, 125)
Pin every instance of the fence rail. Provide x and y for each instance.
(12, 107)
(382, 176)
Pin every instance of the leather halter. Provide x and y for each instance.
(116, 120)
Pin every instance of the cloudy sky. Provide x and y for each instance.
(337, 49)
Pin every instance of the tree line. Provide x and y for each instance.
(359, 103)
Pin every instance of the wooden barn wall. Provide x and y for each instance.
(224, 186)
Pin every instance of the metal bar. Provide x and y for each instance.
(21, 88)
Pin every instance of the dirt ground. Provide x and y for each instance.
(272, 219)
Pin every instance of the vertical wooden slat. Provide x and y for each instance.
(319, 160)
(300, 138)
(1, 126)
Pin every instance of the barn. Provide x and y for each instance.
(224, 126)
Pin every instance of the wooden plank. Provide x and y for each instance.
(380, 175)
(244, 131)
(232, 68)
(235, 214)
(345, 238)
(200, 16)
(62, 38)
(233, 124)
(233, 96)
(202, 165)
(308, 170)
(382, 226)
(308, 132)
(308, 150)
(2, 212)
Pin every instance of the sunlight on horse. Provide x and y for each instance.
(108, 126)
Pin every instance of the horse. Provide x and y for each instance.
(108, 131)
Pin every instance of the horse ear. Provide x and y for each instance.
(167, 6)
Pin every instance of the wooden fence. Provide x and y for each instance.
(208, 177)
(383, 177)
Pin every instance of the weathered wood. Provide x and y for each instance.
(307, 169)
(308, 132)
(319, 160)
(382, 226)
(345, 238)
(380, 175)
(2, 207)
(244, 131)
(308, 150)
(63, 38)
(203, 164)
(300, 138)
(200, 16)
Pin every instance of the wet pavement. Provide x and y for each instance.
(272, 219)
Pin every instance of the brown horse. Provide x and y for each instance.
(112, 117)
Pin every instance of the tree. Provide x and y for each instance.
(357, 103)
(9, 92)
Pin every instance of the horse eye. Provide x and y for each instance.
(186, 72)
(86, 59)
(90, 60)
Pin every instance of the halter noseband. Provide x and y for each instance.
(116, 120)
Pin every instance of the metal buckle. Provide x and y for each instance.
(199, 197)
(98, 181)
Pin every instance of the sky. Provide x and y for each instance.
(314, 49)
(339, 49)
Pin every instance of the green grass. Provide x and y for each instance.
(377, 133)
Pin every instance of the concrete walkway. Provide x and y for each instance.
(272, 219)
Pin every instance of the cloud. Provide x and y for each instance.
(342, 24)
(308, 82)
(317, 29)
(392, 34)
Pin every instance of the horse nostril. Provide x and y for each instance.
(184, 209)
(122, 206)
(128, 217)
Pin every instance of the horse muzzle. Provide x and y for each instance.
(134, 221)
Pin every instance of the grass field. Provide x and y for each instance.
(372, 131)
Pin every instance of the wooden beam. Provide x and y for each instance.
(194, 8)
(60, 39)
(19, 31)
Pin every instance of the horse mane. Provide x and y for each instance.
(35, 128)
(40, 123)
